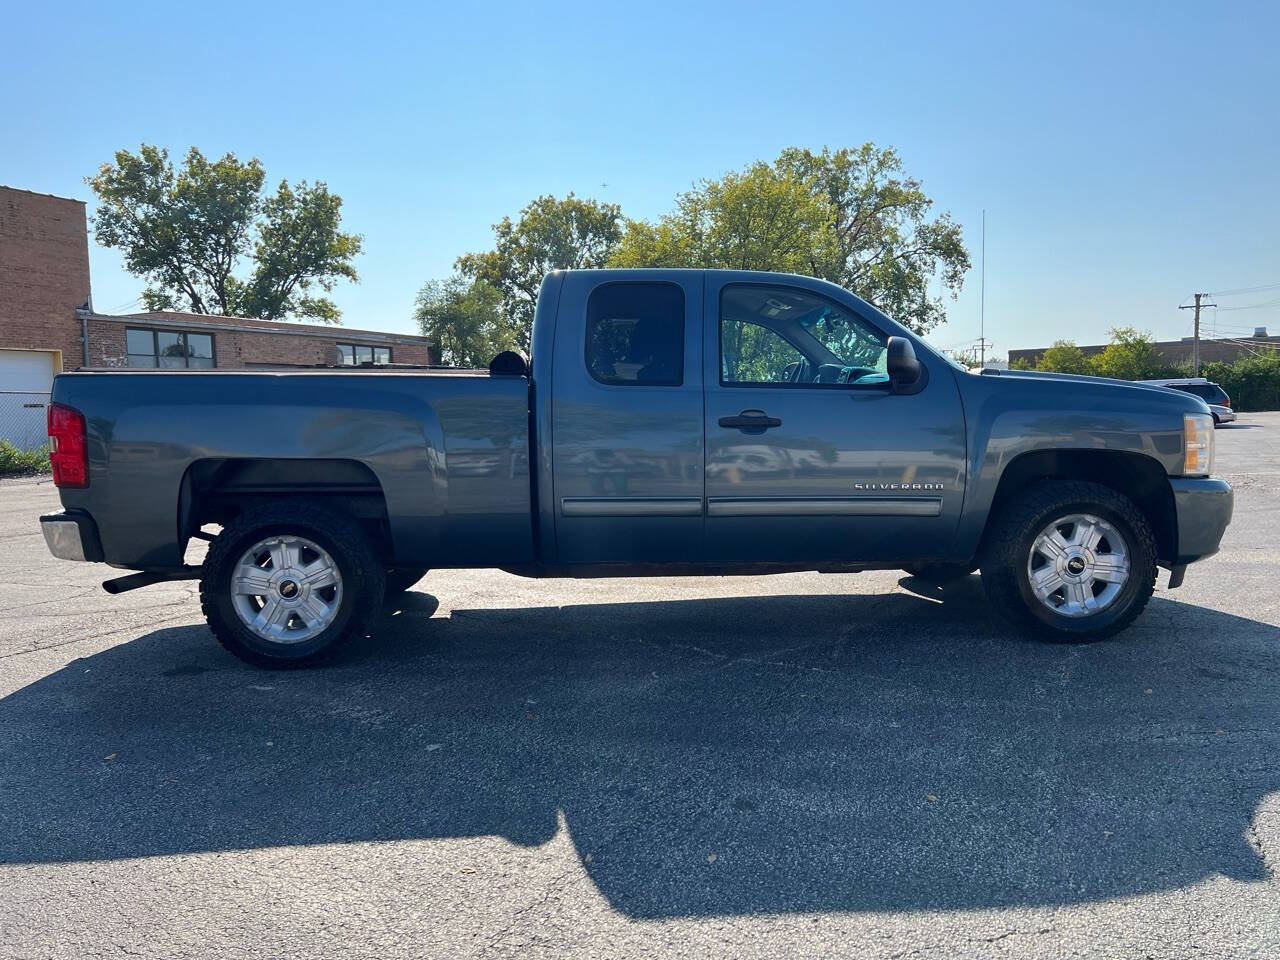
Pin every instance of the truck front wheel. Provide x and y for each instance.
(1070, 561)
(285, 585)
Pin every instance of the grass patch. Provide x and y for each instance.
(22, 463)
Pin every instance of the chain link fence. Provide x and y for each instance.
(23, 426)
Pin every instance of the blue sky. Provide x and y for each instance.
(1126, 154)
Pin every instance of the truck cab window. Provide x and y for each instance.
(635, 334)
(786, 335)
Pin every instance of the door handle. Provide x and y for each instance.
(750, 421)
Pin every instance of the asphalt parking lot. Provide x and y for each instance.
(801, 765)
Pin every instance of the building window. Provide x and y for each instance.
(350, 354)
(169, 349)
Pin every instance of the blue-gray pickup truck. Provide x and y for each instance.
(669, 422)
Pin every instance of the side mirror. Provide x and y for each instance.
(901, 363)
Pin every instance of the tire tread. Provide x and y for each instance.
(1001, 554)
(345, 537)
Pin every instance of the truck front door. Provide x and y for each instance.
(811, 456)
(627, 467)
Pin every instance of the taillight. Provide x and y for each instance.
(68, 454)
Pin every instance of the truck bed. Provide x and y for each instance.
(447, 450)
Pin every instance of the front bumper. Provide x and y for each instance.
(72, 536)
(1203, 506)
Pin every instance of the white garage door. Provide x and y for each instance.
(26, 376)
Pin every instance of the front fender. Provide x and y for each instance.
(1010, 419)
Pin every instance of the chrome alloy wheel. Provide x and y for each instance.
(1078, 565)
(286, 589)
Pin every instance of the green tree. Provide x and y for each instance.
(1131, 355)
(187, 232)
(889, 249)
(848, 216)
(465, 317)
(760, 219)
(750, 353)
(1252, 381)
(551, 234)
(1064, 357)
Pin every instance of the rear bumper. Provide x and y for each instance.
(72, 536)
(1204, 506)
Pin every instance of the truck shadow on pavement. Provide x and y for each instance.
(709, 757)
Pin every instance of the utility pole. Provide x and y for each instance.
(982, 302)
(983, 343)
(1195, 348)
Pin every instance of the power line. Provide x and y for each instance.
(135, 302)
(1254, 349)
(1240, 290)
(1228, 325)
(1253, 306)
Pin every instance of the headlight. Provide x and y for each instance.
(1197, 439)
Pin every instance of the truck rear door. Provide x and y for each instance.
(810, 455)
(626, 417)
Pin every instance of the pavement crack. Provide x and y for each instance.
(728, 660)
(1256, 841)
(79, 613)
(39, 603)
(97, 636)
(552, 887)
(1017, 933)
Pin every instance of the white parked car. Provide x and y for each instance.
(1212, 394)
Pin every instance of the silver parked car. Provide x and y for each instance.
(1212, 394)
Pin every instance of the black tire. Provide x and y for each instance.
(362, 582)
(940, 572)
(1008, 551)
(1216, 422)
(401, 579)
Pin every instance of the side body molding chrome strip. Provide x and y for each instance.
(631, 506)
(751, 506)
(824, 506)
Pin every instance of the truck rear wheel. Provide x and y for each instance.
(285, 585)
(1070, 561)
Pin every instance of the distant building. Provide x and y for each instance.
(200, 341)
(47, 323)
(1178, 352)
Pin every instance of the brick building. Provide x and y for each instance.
(47, 323)
(172, 339)
(1178, 352)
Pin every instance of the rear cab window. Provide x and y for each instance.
(635, 334)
